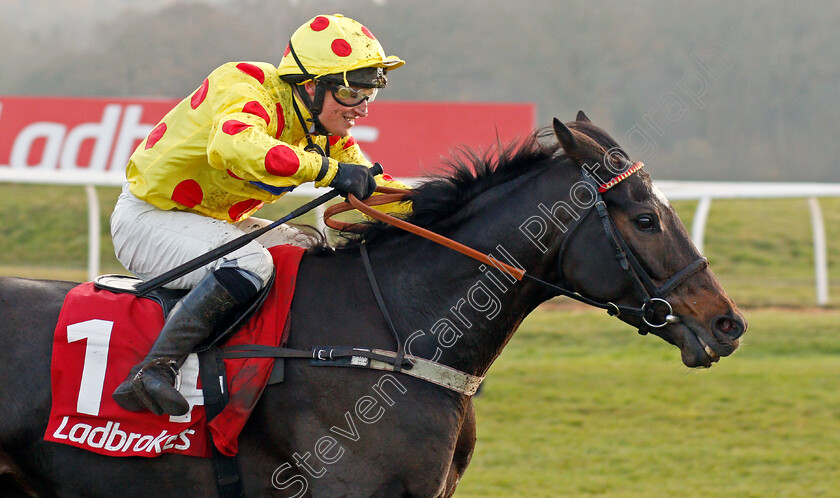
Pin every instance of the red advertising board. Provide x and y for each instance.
(99, 134)
(413, 136)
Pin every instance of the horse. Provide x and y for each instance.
(573, 212)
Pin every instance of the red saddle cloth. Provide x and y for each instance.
(100, 335)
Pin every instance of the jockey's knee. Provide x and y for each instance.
(241, 285)
(256, 264)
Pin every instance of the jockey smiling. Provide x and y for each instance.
(248, 135)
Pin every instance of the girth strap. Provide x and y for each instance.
(430, 371)
(375, 359)
(316, 353)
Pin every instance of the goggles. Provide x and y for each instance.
(350, 97)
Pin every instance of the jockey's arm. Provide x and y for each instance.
(243, 143)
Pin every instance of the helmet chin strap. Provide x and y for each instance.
(315, 107)
(316, 126)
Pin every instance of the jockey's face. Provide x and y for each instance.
(336, 118)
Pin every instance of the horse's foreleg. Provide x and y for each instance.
(463, 451)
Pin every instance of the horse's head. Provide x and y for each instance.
(637, 254)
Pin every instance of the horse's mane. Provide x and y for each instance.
(466, 175)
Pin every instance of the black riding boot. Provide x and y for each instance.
(150, 384)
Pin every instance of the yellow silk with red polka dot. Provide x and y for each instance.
(231, 146)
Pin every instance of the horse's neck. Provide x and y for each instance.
(449, 306)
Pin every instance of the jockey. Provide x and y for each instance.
(248, 135)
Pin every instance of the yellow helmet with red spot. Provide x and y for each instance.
(336, 48)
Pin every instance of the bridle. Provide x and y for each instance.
(653, 297)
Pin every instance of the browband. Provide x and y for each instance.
(612, 183)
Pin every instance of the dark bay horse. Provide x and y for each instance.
(353, 432)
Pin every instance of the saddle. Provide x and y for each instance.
(222, 390)
(168, 298)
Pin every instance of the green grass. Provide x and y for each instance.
(579, 405)
(762, 250)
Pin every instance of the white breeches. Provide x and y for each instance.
(149, 241)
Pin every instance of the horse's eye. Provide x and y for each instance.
(616, 160)
(646, 222)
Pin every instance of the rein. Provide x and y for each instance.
(653, 296)
(395, 195)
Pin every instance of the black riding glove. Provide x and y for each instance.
(354, 179)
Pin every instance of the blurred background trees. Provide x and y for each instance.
(714, 90)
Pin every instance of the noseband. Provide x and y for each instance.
(653, 296)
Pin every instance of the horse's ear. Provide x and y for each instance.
(583, 118)
(566, 138)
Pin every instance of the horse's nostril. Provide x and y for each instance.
(729, 327)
